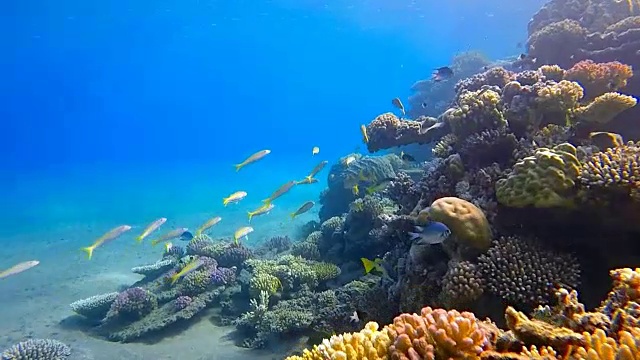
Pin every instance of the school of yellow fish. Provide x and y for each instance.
(236, 197)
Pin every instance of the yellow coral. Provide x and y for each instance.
(465, 220)
(444, 147)
(616, 169)
(552, 72)
(605, 107)
(476, 111)
(541, 180)
(559, 97)
(601, 347)
(264, 282)
(368, 344)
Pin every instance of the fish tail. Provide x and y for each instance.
(250, 215)
(225, 201)
(174, 278)
(198, 232)
(235, 241)
(139, 239)
(89, 251)
(238, 167)
(368, 265)
(293, 215)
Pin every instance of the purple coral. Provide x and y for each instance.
(182, 302)
(223, 276)
(132, 304)
(174, 251)
(233, 255)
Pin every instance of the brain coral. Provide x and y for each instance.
(541, 180)
(466, 221)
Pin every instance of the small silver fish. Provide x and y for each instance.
(434, 233)
(354, 317)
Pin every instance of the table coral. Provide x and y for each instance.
(605, 108)
(541, 180)
(465, 220)
(559, 97)
(599, 78)
(94, 307)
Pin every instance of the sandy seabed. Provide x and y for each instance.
(35, 304)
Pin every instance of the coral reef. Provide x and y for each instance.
(94, 307)
(37, 349)
(441, 334)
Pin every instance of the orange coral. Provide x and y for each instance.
(437, 333)
(599, 78)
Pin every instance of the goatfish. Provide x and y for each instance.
(434, 233)
(376, 265)
(605, 140)
(380, 186)
(175, 233)
(317, 169)
(151, 228)
(109, 236)
(18, 268)
(281, 191)
(302, 209)
(397, 103)
(307, 180)
(234, 198)
(315, 150)
(253, 158)
(243, 232)
(365, 136)
(192, 266)
(264, 209)
(208, 225)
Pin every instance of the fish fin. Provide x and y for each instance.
(414, 235)
(89, 251)
(419, 229)
(238, 167)
(368, 265)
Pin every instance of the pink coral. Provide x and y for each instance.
(599, 78)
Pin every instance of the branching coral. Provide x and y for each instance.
(37, 349)
(526, 274)
(541, 180)
(94, 307)
(475, 111)
(616, 170)
(599, 78)
(462, 284)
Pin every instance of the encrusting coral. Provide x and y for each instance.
(541, 180)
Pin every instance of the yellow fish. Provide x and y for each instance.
(234, 198)
(264, 209)
(175, 233)
(397, 103)
(151, 228)
(365, 136)
(281, 191)
(605, 140)
(243, 232)
(206, 226)
(355, 190)
(253, 158)
(318, 168)
(167, 247)
(376, 265)
(18, 268)
(307, 180)
(192, 266)
(315, 150)
(302, 209)
(109, 236)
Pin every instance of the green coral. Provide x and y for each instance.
(475, 111)
(306, 249)
(541, 180)
(292, 271)
(196, 282)
(325, 271)
(264, 282)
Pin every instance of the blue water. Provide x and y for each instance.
(124, 111)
